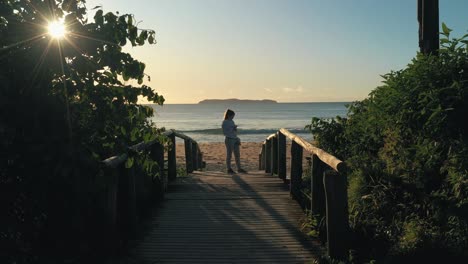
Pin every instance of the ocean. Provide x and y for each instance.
(255, 121)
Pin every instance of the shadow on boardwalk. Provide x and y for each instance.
(212, 217)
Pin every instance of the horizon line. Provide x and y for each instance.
(349, 101)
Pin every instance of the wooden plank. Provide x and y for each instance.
(211, 218)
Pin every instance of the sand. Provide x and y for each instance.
(214, 154)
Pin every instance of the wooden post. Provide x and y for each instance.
(260, 160)
(428, 18)
(171, 159)
(317, 190)
(337, 214)
(132, 204)
(110, 209)
(274, 155)
(194, 155)
(296, 170)
(268, 156)
(262, 157)
(200, 160)
(157, 154)
(281, 156)
(126, 201)
(188, 155)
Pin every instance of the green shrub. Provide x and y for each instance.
(407, 149)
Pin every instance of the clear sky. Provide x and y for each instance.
(286, 50)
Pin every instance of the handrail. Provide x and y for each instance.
(328, 190)
(327, 158)
(115, 161)
(126, 190)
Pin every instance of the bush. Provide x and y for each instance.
(407, 149)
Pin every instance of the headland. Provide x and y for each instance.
(236, 101)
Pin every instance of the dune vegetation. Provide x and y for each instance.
(407, 149)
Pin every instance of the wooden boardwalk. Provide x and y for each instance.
(213, 217)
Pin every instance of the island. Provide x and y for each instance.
(236, 101)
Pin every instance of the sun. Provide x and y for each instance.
(56, 29)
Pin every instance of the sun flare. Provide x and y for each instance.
(56, 29)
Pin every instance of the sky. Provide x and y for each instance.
(285, 50)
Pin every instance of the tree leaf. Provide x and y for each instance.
(444, 41)
(445, 29)
(129, 163)
(130, 20)
(133, 135)
(98, 17)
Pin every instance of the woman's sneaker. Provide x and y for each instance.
(241, 171)
(230, 171)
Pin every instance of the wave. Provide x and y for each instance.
(219, 131)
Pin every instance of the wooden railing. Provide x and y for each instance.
(127, 191)
(328, 184)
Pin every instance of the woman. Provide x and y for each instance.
(232, 141)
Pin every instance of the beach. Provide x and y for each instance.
(214, 154)
(255, 121)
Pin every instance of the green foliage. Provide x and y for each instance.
(181, 171)
(64, 106)
(406, 147)
(328, 132)
(313, 225)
